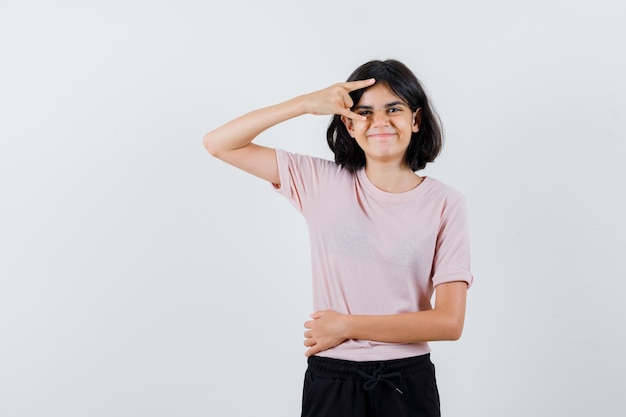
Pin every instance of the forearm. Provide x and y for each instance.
(241, 131)
(422, 326)
(444, 322)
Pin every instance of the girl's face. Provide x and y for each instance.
(386, 134)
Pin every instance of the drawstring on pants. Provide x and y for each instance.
(373, 380)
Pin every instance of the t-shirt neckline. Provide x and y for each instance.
(388, 196)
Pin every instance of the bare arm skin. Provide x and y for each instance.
(232, 142)
(445, 322)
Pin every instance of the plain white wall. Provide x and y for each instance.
(139, 276)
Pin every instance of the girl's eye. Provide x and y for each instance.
(394, 109)
(364, 113)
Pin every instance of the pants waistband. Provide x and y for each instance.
(343, 369)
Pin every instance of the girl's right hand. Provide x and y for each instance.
(336, 99)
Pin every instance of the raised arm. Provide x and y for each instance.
(232, 142)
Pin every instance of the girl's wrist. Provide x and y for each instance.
(348, 326)
(301, 104)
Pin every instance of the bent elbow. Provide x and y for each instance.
(209, 145)
(454, 329)
(456, 333)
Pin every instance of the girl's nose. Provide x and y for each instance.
(380, 117)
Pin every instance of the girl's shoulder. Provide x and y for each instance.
(310, 165)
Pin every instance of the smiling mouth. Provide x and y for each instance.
(380, 135)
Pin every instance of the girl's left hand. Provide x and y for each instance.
(326, 330)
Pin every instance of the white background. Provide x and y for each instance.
(141, 277)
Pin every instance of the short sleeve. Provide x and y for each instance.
(452, 252)
(300, 178)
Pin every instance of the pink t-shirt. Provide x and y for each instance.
(375, 252)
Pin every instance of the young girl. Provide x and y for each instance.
(383, 239)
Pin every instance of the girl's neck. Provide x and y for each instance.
(392, 178)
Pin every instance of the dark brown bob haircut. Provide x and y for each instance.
(425, 144)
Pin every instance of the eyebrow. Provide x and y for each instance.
(394, 103)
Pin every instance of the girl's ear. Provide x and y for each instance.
(417, 120)
(349, 125)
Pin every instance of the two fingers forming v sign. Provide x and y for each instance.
(336, 98)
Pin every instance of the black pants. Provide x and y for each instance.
(395, 388)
